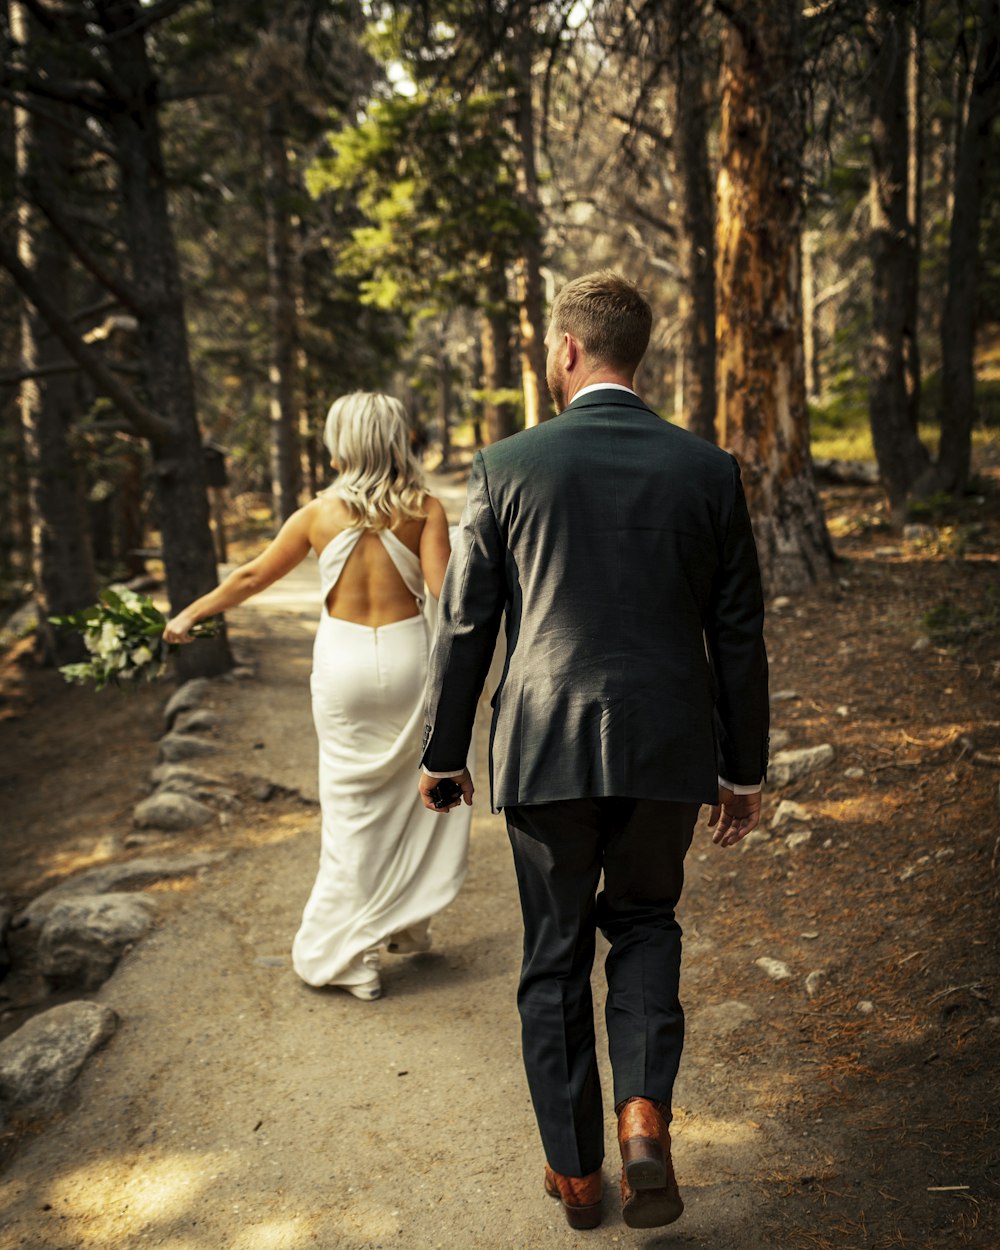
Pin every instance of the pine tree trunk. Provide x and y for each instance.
(901, 456)
(496, 357)
(810, 326)
(281, 307)
(15, 516)
(696, 237)
(530, 289)
(762, 414)
(958, 319)
(62, 563)
(178, 462)
(915, 206)
(444, 406)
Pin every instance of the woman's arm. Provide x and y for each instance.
(435, 546)
(289, 548)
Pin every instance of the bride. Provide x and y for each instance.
(386, 865)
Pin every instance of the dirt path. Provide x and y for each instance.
(237, 1109)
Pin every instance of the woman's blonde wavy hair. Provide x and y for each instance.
(380, 479)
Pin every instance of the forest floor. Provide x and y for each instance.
(236, 1109)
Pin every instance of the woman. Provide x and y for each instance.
(386, 864)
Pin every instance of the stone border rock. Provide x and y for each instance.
(40, 1061)
(80, 928)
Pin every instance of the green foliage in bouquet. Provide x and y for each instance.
(124, 635)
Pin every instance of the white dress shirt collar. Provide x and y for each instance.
(602, 386)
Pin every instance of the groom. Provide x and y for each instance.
(619, 549)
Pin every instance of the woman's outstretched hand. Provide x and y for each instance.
(178, 628)
(736, 815)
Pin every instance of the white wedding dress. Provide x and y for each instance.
(386, 863)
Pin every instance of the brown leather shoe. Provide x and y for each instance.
(642, 1131)
(651, 1208)
(650, 1197)
(580, 1196)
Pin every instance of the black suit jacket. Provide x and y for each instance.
(620, 549)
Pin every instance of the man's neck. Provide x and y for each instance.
(598, 377)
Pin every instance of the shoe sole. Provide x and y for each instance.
(365, 993)
(649, 1209)
(643, 1160)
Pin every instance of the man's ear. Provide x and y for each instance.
(572, 350)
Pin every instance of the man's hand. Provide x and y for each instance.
(427, 784)
(736, 815)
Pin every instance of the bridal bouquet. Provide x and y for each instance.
(124, 635)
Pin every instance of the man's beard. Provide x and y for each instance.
(557, 388)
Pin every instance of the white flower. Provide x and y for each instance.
(141, 656)
(128, 597)
(110, 640)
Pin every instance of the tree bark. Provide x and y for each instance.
(958, 320)
(696, 237)
(901, 456)
(530, 289)
(281, 305)
(810, 319)
(444, 393)
(915, 205)
(178, 463)
(62, 561)
(762, 415)
(496, 355)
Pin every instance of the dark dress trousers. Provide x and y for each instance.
(618, 549)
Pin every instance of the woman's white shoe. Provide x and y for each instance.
(409, 941)
(367, 991)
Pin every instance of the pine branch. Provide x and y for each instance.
(150, 16)
(143, 422)
(62, 91)
(15, 376)
(113, 283)
(78, 133)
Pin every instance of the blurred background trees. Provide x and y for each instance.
(220, 216)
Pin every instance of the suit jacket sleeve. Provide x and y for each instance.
(734, 635)
(472, 603)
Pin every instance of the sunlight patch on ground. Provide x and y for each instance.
(286, 1234)
(162, 1190)
(360, 1218)
(697, 1127)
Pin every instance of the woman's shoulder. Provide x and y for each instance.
(432, 506)
(328, 504)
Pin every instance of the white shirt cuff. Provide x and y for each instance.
(728, 785)
(428, 773)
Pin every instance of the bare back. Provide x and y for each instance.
(370, 590)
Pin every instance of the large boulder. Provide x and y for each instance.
(198, 720)
(40, 1062)
(83, 938)
(175, 747)
(789, 766)
(163, 774)
(183, 779)
(172, 811)
(186, 697)
(6, 916)
(722, 1019)
(128, 874)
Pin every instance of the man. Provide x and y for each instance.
(634, 689)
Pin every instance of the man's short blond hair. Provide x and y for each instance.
(607, 315)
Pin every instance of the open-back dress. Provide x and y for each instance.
(386, 863)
